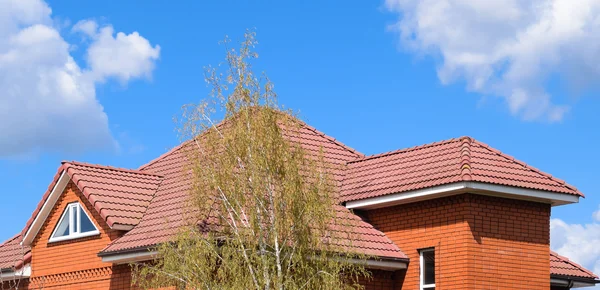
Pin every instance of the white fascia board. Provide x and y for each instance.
(463, 187)
(150, 255)
(24, 272)
(382, 265)
(125, 258)
(559, 282)
(579, 284)
(39, 220)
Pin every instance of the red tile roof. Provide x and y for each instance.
(562, 266)
(445, 162)
(120, 196)
(165, 212)
(12, 254)
(151, 199)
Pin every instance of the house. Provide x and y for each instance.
(455, 214)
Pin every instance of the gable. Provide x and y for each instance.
(53, 257)
(119, 196)
(69, 196)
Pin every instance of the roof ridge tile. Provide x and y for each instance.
(398, 151)
(107, 167)
(159, 158)
(331, 139)
(465, 159)
(10, 240)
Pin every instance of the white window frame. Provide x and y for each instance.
(73, 233)
(422, 269)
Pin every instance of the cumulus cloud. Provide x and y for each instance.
(507, 48)
(579, 242)
(124, 56)
(47, 100)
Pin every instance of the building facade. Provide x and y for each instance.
(455, 214)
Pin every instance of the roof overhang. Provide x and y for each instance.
(552, 198)
(126, 257)
(52, 197)
(49, 203)
(572, 282)
(145, 254)
(11, 274)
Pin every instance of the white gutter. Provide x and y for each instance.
(150, 255)
(381, 264)
(552, 198)
(24, 272)
(125, 258)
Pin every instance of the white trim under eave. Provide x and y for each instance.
(130, 257)
(566, 282)
(24, 272)
(40, 218)
(382, 265)
(552, 198)
(150, 255)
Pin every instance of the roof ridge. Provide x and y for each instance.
(403, 150)
(330, 139)
(169, 152)
(528, 166)
(465, 158)
(107, 167)
(567, 260)
(10, 240)
(302, 123)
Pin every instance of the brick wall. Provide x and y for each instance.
(381, 280)
(480, 242)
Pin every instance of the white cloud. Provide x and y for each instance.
(596, 215)
(578, 242)
(47, 101)
(125, 56)
(507, 48)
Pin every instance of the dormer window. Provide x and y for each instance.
(73, 224)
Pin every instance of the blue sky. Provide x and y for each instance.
(368, 73)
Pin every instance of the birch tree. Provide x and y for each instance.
(261, 213)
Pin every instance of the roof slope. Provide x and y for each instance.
(12, 254)
(445, 162)
(165, 212)
(562, 266)
(120, 196)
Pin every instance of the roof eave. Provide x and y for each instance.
(572, 281)
(147, 253)
(9, 274)
(552, 198)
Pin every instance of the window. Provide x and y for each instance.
(74, 223)
(427, 269)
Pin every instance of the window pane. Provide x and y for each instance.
(86, 223)
(63, 228)
(429, 288)
(429, 267)
(75, 210)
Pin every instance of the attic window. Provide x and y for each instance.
(73, 224)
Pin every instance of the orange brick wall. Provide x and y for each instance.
(380, 280)
(74, 264)
(480, 242)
